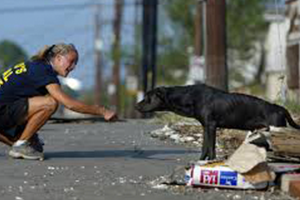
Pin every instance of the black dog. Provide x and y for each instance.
(214, 108)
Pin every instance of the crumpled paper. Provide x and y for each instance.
(246, 157)
(250, 161)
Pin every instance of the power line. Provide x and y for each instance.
(52, 8)
(42, 8)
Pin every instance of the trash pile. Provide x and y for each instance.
(245, 169)
(191, 134)
(246, 160)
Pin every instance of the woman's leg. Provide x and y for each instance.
(10, 136)
(6, 140)
(40, 110)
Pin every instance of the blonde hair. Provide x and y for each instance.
(49, 52)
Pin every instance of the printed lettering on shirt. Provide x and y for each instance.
(6, 74)
(20, 68)
(17, 69)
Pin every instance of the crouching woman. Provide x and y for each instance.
(30, 93)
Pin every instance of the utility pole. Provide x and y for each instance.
(137, 42)
(198, 29)
(136, 64)
(116, 52)
(145, 45)
(153, 41)
(216, 67)
(97, 50)
(149, 42)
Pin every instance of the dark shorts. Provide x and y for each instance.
(13, 114)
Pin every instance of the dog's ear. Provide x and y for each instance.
(161, 93)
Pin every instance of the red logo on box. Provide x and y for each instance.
(209, 177)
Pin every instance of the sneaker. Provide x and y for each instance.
(25, 151)
(37, 143)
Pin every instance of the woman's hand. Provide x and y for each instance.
(58, 94)
(110, 115)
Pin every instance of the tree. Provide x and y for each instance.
(246, 29)
(173, 45)
(10, 54)
(245, 24)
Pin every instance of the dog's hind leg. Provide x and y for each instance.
(204, 150)
(209, 142)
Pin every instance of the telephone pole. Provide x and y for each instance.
(97, 50)
(216, 67)
(198, 29)
(149, 42)
(117, 52)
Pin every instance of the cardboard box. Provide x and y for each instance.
(218, 175)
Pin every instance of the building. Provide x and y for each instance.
(292, 47)
(275, 61)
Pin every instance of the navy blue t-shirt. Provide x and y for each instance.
(26, 80)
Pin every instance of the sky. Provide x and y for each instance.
(34, 23)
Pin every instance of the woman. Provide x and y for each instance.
(30, 93)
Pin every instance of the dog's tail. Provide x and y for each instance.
(290, 119)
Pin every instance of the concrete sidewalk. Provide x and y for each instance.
(101, 160)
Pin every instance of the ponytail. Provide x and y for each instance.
(49, 52)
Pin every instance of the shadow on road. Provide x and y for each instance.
(61, 120)
(138, 154)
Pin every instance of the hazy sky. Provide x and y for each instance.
(35, 23)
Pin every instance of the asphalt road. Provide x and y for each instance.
(99, 160)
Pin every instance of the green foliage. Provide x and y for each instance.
(10, 54)
(181, 13)
(245, 26)
(291, 105)
(172, 60)
(175, 37)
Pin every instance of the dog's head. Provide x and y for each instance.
(154, 100)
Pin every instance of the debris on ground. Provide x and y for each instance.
(246, 168)
(249, 160)
(284, 141)
(219, 175)
(191, 134)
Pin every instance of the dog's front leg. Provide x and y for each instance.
(209, 142)
(204, 152)
(212, 141)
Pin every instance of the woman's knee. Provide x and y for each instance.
(46, 103)
(51, 104)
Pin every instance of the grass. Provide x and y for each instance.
(291, 105)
